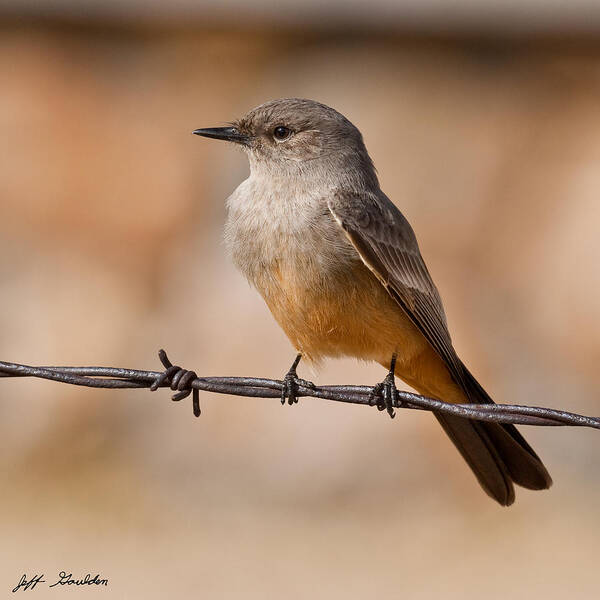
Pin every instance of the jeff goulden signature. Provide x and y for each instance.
(63, 579)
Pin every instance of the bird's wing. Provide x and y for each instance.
(387, 245)
(497, 453)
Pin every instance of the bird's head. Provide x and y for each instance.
(292, 134)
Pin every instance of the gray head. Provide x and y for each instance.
(291, 135)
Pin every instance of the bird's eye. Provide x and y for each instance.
(281, 133)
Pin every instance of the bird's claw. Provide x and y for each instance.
(179, 380)
(291, 382)
(385, 394)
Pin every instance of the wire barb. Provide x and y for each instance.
(178, 379)
(185, 382)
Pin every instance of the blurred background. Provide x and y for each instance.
(483, 119)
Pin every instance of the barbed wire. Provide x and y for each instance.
(186, 382)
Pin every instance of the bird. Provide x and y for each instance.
(341, 271)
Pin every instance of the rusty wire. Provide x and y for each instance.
(186, 382)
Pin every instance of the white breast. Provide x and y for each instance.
(274, 224)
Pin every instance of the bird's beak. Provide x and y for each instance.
(229, 134)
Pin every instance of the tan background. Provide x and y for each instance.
(110, 248)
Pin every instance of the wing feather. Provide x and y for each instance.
(386, 243)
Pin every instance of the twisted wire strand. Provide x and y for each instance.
(185, 382)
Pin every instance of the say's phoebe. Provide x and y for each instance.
(340, 269)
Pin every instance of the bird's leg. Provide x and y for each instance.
(384, 394)
(290, 384)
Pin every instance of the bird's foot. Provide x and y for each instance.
(290, 383)
(385, 394)
(179, 380)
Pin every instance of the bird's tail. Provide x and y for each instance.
(497, 453)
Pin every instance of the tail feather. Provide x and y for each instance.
(497, 453)
(525, 467)
(480, 453)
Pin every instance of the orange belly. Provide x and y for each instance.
(352, 314)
